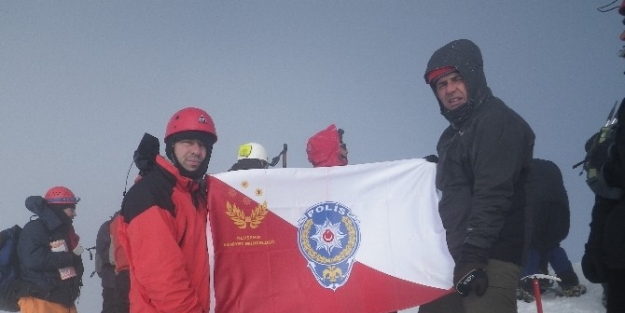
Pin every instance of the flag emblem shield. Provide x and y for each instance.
(328, 237)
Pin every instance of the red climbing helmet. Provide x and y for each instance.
(60, 195)
(190, 119)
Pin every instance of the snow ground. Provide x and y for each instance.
(588, 303)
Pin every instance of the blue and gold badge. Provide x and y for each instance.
(328, 237)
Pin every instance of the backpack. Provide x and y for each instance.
(103, 243)
(9, 269)
(599, 163)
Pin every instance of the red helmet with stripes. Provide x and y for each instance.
(190, 119)
(60, 195)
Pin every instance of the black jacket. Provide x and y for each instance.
(39, 266)
(606, 240)
(549, 203)
(484, 159)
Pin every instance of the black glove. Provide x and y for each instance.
(470, 271)
(146, 153)
(594, 270)
(431, 158)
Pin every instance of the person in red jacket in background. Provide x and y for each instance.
(144, 158)
(104, 268)
(122, 268)
(326, 148)
(163, 233)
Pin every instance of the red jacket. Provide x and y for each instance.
(164, 236)
(121, 260)
(324, 148)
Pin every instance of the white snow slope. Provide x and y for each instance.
(588, 303)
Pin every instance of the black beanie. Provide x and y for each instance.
(205, 138)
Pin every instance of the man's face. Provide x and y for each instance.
(190, 153)
(452, 91)
(70, 212)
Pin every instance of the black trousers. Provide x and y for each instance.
(108, 300)
(616, 290)
(122, 289)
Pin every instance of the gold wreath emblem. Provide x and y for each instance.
(241, 220)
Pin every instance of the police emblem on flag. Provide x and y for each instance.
(328, 237)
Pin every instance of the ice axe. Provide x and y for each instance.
(536, 287)
(282, 154)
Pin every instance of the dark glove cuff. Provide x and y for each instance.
(473, 254)
(463, 286)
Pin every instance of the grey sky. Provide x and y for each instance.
(81, 81)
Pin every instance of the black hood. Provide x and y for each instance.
(39, 207)
(466, 57)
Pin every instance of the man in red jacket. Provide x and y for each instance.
(164, 221)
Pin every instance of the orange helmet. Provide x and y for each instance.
(60, 195)
(190, 119)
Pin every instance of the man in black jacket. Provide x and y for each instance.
(549, 202)
(49, 254)
(484, 159)
(604, 257)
